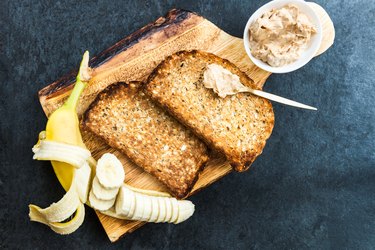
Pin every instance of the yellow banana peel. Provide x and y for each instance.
(63, 125)
(63, 129)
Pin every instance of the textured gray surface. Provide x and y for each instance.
(313, 187)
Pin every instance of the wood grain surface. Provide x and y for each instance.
(132, 59)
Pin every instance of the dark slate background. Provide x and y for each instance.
(313, 186)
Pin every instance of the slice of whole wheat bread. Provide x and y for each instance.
(128, 120)
(236, 125)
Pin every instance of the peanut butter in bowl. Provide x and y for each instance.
(283, 35)
(280, 36)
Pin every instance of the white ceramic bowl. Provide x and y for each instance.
(306, 56)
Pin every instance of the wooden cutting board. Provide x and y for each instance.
(133, 58)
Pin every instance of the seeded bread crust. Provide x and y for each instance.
(129, 121)
(236, 125)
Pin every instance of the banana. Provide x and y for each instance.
(148, 192)
(125, 208)
(155, 209)
(110, 172)
(101, 192)
(147, 207)
(109, 177)
(162, 210)
(132, 205)
(168, 209)
(185, 210)
(62, 144)
(175, 209)
(63, 124)
(139, 207)
(112, 212)
(99, 204)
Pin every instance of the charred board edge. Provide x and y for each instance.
(173, 17)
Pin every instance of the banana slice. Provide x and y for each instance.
(147, 210)
(110, 171)
(99, 204)
(125, 202)
(112, 212)
(139, 206)
(155, 209)
(168, 210)
(56, 151)
(101, 192)
(185, 210)
(132, 208)
(175, 208)
(162, 210)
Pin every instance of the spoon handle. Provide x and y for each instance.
(278, 99)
